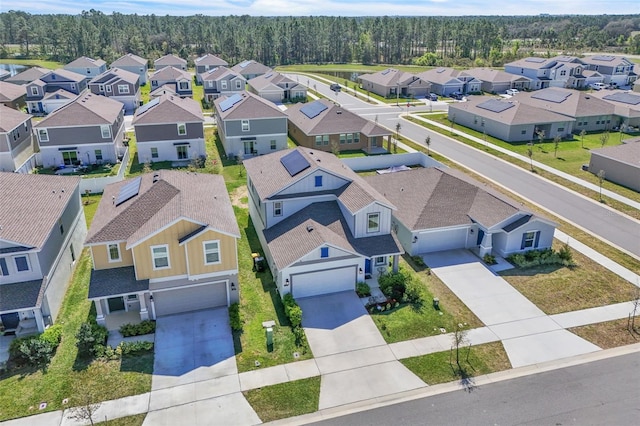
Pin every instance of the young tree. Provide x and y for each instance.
(459, 340)
(540, 134)
(86, 408)
(335, 147)
(601, 175)
(530, 155)
(427, 142)
(398, 127)
(583, 133)
(556, 145)
(604, 137)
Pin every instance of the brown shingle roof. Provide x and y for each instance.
(250, 107)
(69, 75)
(10, 118)
(170, 74)
(10, 92)
(219, 72)
(27, 217)
(114, 74)
(129, 60)
(85, 62)
(169, 109)
(169, 59)
(520, 113)
(435, 198)
(576, 104)
(210, 60)
(273, 79)
(201, 198)
(250, 67)
(628, 153)
(86, 110)
(29, 75)
(494, 76)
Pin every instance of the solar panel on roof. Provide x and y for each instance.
(535, 60)
(144, 108)
(385, 72)
(313, 109)
(268, 75)
(294, 162)
(244, 64)
(606, 58)
(625, 98)
(129, 190)
(230, 101)
(550, 95)
(495, 105)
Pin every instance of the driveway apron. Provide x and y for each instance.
(354, 360)
(529, 335)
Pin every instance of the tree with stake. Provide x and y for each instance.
(556, 145)
(427, 141)
(601, 175)
(85, 411)
(530, 155)
(583, 133)
(398, 127)
(604, 137)
(453, 122)
(540, 134)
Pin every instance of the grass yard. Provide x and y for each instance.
(136, 420)
(557, 289)
(89, 172)
(411, 322)
(610, 334)
(440, 367)
(22, 390)
(286, 399)
(90, 205)
(52, 65)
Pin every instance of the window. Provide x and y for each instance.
(43, 135)
(245, 125)
(223, 84)
(318, 140)
(3, 266)
(88, 70)
(34, 91)
(343, 138)
(356, 138)
(183, 85)
(349, 138)
(61, 227)
(114, 252)
(318, 181)
(238, 84)
(154, 152)
(530, 239)
(277, 208)
(160, 256)
(324, 251)
(380, 260)
(211, 252)
(22, 264)
(561, 129)
(105, 129)
(563, 72)
(273, 144)
(123, 89)
(182, 151)
(523, 132)
(109, 89)
(373, 222)
(101, 87)
(98, 153)
(182, 129)
(73, 253)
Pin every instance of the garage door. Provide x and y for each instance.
(190, 298)
(442, 240)
(323, 282)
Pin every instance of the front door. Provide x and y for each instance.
(69, 158)
(367, 266)
(115, 304)
(10, 321)
(182, 151)
(480, 237)
(248, 147)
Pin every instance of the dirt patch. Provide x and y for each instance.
(239, 197)
(609, 334)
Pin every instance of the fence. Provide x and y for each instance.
(30, 164)
(96, 185)
(377, 162)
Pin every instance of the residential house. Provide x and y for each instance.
(163, 243)
(250, 69)
(167, 89)
(323, 125)
(322, 227)
(592, 77)
(498, 81)
(135, 64)
(88, 130)
(590, 113)
(41, 237)
(614, 69)
(16, 138)
(277, 88)
(509, 120)
(28, 75)
(120, 85)
(559, 71)
(41, 94)
(87, 66)
(626, 107)
(221, 81)
(249, 125)
(12, 95)
(392, 82)
(170, 60)
(620, 163)
(443, 209)
(179, 80)
(169, 128)
(4, 74)
(206, 63)
(445, 81)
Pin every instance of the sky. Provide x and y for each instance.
(328, 7)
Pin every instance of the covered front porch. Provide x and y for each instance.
(20, 308)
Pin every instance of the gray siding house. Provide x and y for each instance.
(621, 163)
(87, 66)
(170, 60)
(221, 81)
(614, 69)
(560, 71)
(119, 85)
(169, 128)
(180, 80)
(497, 81)
(41, 238)
(249, 125)
(277, 88)
(445, 81)
(135, 64)
(12, 95)
(626, 107)
(250, 69)
(206, 63)
(16, 138)
(28, 75)
(392, 82)
(89, 130)
(44, 96)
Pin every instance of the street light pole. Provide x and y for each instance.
(398, 94)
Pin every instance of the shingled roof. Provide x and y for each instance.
(28, 75)
(85, 62)
(516, 113)
(164, 196)
(170, 73)
(211, 60)
(575, 103)
(11, 118)
(249, 107)
(129, 60)
(169, 109)
(86, 110)
(114, 74)
(9, 92)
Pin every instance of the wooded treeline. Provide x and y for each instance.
(322, 39)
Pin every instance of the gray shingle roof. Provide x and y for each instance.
(115, 282)
(60, 94)
(69, 75)
(27, 217)
(11, 118)
(170, 74)
(250, 107)
(29, 75)
(23, 295)
(85, 62)
(112, 75)
(219, 72)
(435, 198)
(250, 67)
(170, 109)
(211, 60)
(520, 113)
(86, 110)
(628, 153)
(273, 80)
(129, 60)
(10, 92)
(201, 198)
(494, 76)
(170, 59)
(316, 225)
(576, 104)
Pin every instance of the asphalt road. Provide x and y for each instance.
(605, 392)
(609, 225)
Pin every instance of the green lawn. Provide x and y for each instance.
(33, 63)
(286, 399)
(136, 420)
(90, 172)
(90, 205)
(22, 390)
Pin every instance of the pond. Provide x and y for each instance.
(13, 68)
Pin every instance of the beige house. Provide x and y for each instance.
(620, 163)
(392, 82)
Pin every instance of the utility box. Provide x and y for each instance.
(269, 336)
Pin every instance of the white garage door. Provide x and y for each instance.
(323, 282)
(190, 298)
(442, 240)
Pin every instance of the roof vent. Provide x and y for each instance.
(309, 228)
(156, 177)
(339, 112)
(113, 199)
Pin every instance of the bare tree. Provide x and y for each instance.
(459, 340)
(427, 141)
(556, 145)
(398, 127)
(335, 147)
(601, 175)
(530, 155)
(86, 409)
(583, 133)
(604, 137)
(541, 135)
(632, 315)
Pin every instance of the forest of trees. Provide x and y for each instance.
(464, 41)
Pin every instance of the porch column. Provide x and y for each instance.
(486, 245)
(39, 319)
(389, 143)
(99, 315)
(394, 268)
(144, 314)
(153, 307)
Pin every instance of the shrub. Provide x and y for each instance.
(129, 348)
(145, 327)
(295, 316)
(234, 317)
(363, 289)
(394, 285)
(542, 257)
(37, 352)
(89, 336)
(301, 338)
(414, 292)
(489, 259)
(15, 353)
(418, 261)
(52, 335)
